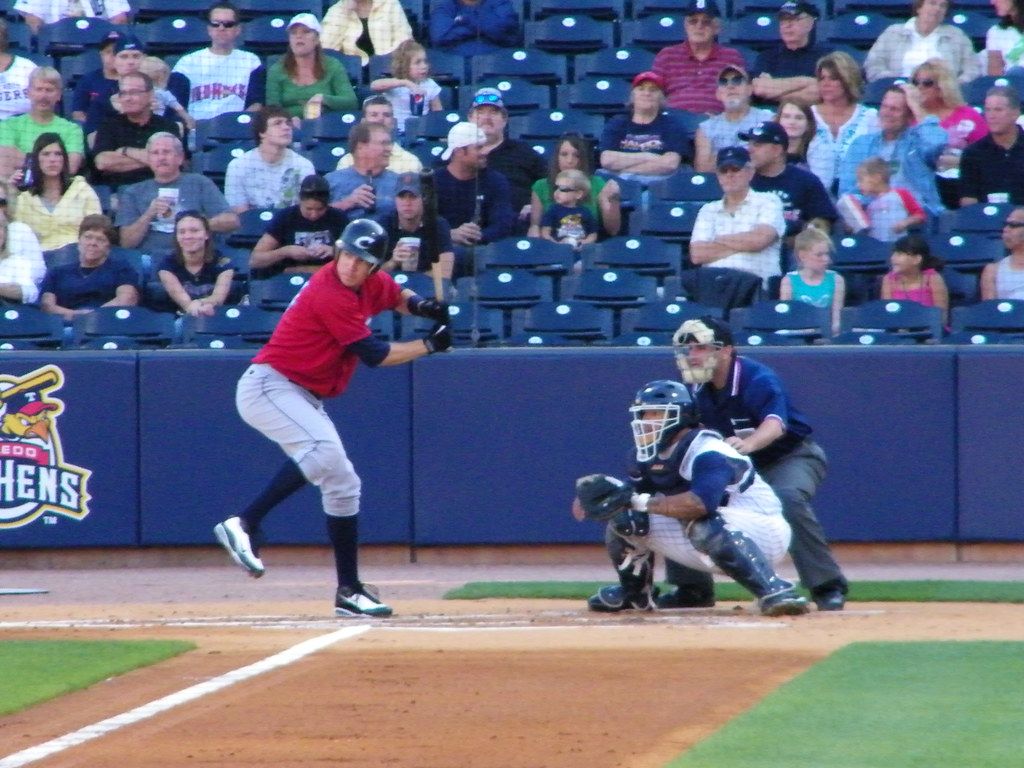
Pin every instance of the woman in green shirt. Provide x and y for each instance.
(573, 152)
(305, 81)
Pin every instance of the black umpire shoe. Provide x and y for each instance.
(829, 599)
(685, 597)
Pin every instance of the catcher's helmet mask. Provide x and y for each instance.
(673, 410)
(367, 240)
(704, 332)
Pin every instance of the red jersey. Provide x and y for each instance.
(310, 344)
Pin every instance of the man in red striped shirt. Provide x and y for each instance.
(691, 68)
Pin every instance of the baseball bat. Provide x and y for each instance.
(47, 377)
(429, 193)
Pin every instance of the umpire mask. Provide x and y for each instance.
(697, 346)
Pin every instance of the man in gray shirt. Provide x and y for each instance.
(367, 187)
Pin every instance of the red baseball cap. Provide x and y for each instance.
(649, 77)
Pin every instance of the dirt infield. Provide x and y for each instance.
(488, 684)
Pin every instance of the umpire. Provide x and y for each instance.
(746, 402)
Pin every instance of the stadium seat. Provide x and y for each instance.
(253, 225)
(571, 320)
(641, 339)
(974, 91)
(19, 36)
(665, 316)
(266, 34)
(249, 323)
(870, 338)
(783, 318)
(447, 69)
(670, 221)
(276, 293)
(324, 157)
(620, 63)
(861, 259)
(73, 35)
(644, 8)
(875, 90)
(985, 218)
(353, 65)
(28, 325)
(645, 255)
(596, 95)
(546, 339)
(961, 286)
(504, 289)
(654, 32)
(569, 35)
(983, 338)
(536, 66)
(518, 94)
(470, 326)
(552, 124)
(148, 10)
(331, 127)
(73, 67)
(226, 128)
(173, 34)
(755, 29)
(614, 289)
(686, 186)
(254, 9)
(998, 316)
(204, 341)
(903, 318)
(858, 28)
(606, 10)
(213, 162)
(741, 8)
(534, 254)
(144, 326)
(721, 287)
(433, 126)
(974, 24)
(766, 339)
(422, 283)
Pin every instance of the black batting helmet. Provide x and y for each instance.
(366, 239)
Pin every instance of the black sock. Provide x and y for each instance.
(287, 481)
(344, 534)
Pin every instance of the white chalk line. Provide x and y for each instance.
(146, 711)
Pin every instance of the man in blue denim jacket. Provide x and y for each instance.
(909, 139)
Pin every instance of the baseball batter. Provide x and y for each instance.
(311, 356)
(692, 499)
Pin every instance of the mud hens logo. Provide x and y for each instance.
(34, 479)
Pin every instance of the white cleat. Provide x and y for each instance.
(235, 540)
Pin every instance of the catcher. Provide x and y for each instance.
(691, 498)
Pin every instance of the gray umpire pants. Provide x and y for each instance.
(795, 479)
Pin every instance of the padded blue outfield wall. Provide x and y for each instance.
(482, 446)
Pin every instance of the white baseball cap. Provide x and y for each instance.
(463, 135)
(306, 20)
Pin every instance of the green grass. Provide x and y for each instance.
(32, 671)
(883, 705)
(862, 591)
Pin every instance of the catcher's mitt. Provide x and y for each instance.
(602, 496)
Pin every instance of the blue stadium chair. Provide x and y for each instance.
(757, 29)
(670, 221)
(19, 37)
(531, 339)
(994, 316)
(447, 69)
(984, 218)
(687, 119)
(642, 339)
(654, 32)
(859, 29)
(213, 162)
(860, 253)
(330, 127)
(645, 255)
(213, 341)
(504, 289)
(470, 326)
(144, 326)
(875, 90)
(903, 318)
(741, 8)
(721, 287)
(645, 8)
(29, 327)
(428, 152)
(975, 338)
(353, 65)
(72, 35)
(433, 126)
(571, 320)
(666, 316)
(109, 343)
(324, 157)
(534, 254)
(173, 34)
(686, 186)
(536, 66)
(148, 10)
(595, 95)
(569, 34)
(552, 124)
(614, 289)
(73, 67)
(253, 225)
(870, 338)
(783, 318)
(226, 128)
(267, 34)
(422, 283)
(606, 10)
(519, 95)
(962, 287)
(974, 24)
(254, 9)
(276, 293)
(974, 91)
(620, 63)
(766, 339)
(249, 323)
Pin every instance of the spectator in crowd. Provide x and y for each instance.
(805, 202)
(365, 28)
(410, 90)
(786, 69)
(574, 153)
(744, 229)
(299, 238)
(798, 121)
(18, 134)
(101, 80)
(21, 260)
(723, 130)
(121, 139)
(474, 27)
(96, 279)
(992, 169)
(39, 12)
(909, 140)
(941, 97)
(646, 144)
(411, 249)
(54, 201)
(516, 160)
(886, 212)
(1003, 279)
(195, 279)
(914, 275)
(14, 74)
(1004, 41)
(366, 188)
(218, 75)
(812, 282)
(473, 198)
(840, 116)
(147, 210)
(567, 220)
(904, 45)
(378, 110)
(689, 70)
(269, 175)
(164, 100)
(305, 81)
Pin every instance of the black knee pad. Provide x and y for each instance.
(634, 566)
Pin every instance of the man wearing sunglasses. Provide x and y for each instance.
(786, 68)
(721, 131)
(218, 75)
(690, 69)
